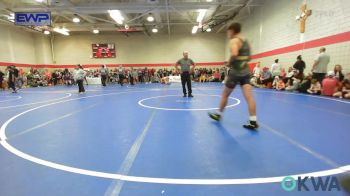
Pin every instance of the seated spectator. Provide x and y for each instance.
(203, 77)
(338, 73)
(275, 80)
(283, 73)
(215, 77)
(315, 87)
(280, 86)
(329, 84)
(293, 83)
(305, 84)
(266, 77)
(289, 75)
(165, 80)
(345, 92)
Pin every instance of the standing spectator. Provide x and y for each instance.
(79, 77)
(104, 74)
(315, 87)
(329, 84)
(319, 69)
(276, 69)
(67, 78)
(257, 70)
(300, 66)
(121, 75)
(131, 76)
(135, 75)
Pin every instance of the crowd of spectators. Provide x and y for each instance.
(318, 82)
(44, 77)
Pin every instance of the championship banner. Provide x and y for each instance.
(33, 18)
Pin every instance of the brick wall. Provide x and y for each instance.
(273, 26)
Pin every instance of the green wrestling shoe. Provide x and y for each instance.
(214, 116)
(252, 125)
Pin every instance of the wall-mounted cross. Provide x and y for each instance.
(305, 13)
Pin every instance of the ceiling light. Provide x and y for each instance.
(208, 30)
(155, 30)
(96, 31)
(126, 26)
(209, 0)
(76, 20)
(116, 16)
(201, 15)
(150, 18)
(194, 29)
(62, 31)
(39, 1)
(46, 32)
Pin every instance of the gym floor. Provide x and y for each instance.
(149, 140)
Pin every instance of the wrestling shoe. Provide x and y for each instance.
(190, 95)
(252, 125)
(214, 116)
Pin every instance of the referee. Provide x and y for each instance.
(185, 63)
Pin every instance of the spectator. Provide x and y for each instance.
(329, 84)
(294, 82)
(300, 65)
(319, 69)
(275, 80)
(280, 86)
(283, 73)
(345, 92)
(315, 87)
(266, 77)
(305, 84)
(1, 79)
(257, 70)
(121, 75)
(276, 69)
(338, 73)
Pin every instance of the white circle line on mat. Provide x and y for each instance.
(142, 179)
(185, 109)
(16, 98)
(34, 103)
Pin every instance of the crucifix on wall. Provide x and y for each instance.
(305, 13)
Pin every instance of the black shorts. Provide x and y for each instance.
(232, 80)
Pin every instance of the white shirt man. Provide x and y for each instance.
(276, 68)
(320, 66)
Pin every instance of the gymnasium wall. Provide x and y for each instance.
(20, 46)
(16, 45)
(141, 49)
(274, 33)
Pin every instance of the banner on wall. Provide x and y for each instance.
(103, 51)
(33, 18)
